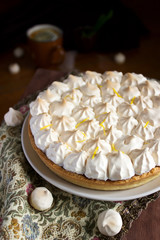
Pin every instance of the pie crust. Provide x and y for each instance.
(83, 181)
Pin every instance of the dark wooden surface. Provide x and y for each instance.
(145, 60)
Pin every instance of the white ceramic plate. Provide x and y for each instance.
(48, 175)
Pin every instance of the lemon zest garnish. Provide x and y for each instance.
(49, 125)
(132, 100)
(104, 131)
(69, 147)
(146, 124)
(83, 134)
(114, 90)
(102, 121)
(100, 88)
(69, 97)
(95, 151)
(145, 142)
(83, 139)
(101, 124)
(113, 148)
(81, 122)
(100, 114)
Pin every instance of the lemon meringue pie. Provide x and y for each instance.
(99, 131)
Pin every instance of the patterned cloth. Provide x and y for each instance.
(70, 218)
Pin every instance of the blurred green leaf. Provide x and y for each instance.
(88, 33)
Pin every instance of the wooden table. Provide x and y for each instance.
(145, 60)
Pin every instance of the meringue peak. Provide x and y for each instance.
(13, 117)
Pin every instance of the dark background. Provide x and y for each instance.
(135, 26)
(131, 21)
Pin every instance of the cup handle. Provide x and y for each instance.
(57, 55)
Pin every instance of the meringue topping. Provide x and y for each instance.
(82, 112)
(39, 106)
(110, 120)
(156, 101)
(61, 108)
(151, 115)
(56, 152)
(143, 102)
(129, 92)
(90, 128)
(112, 134)
(126, 109)
(49, 96)
(96, 168)
(76, 162)
(92, 77)
(44, 138)
(74, 81)
(108, 87)
(142, 160)
(63, 123)
(59, 87)
(92, 144)
(113, 76)
(113, 99)
(127, 124)
(73, 96)
(143, 131)
(75, 139)
(127, 143)
(91, 100)
(154, 149)
(90, 90)
(149, 88)
(157, 133)
(133, 79)
(39, 121)
(102, 108)
(119, 166)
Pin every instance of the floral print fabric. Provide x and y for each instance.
(70, 218)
